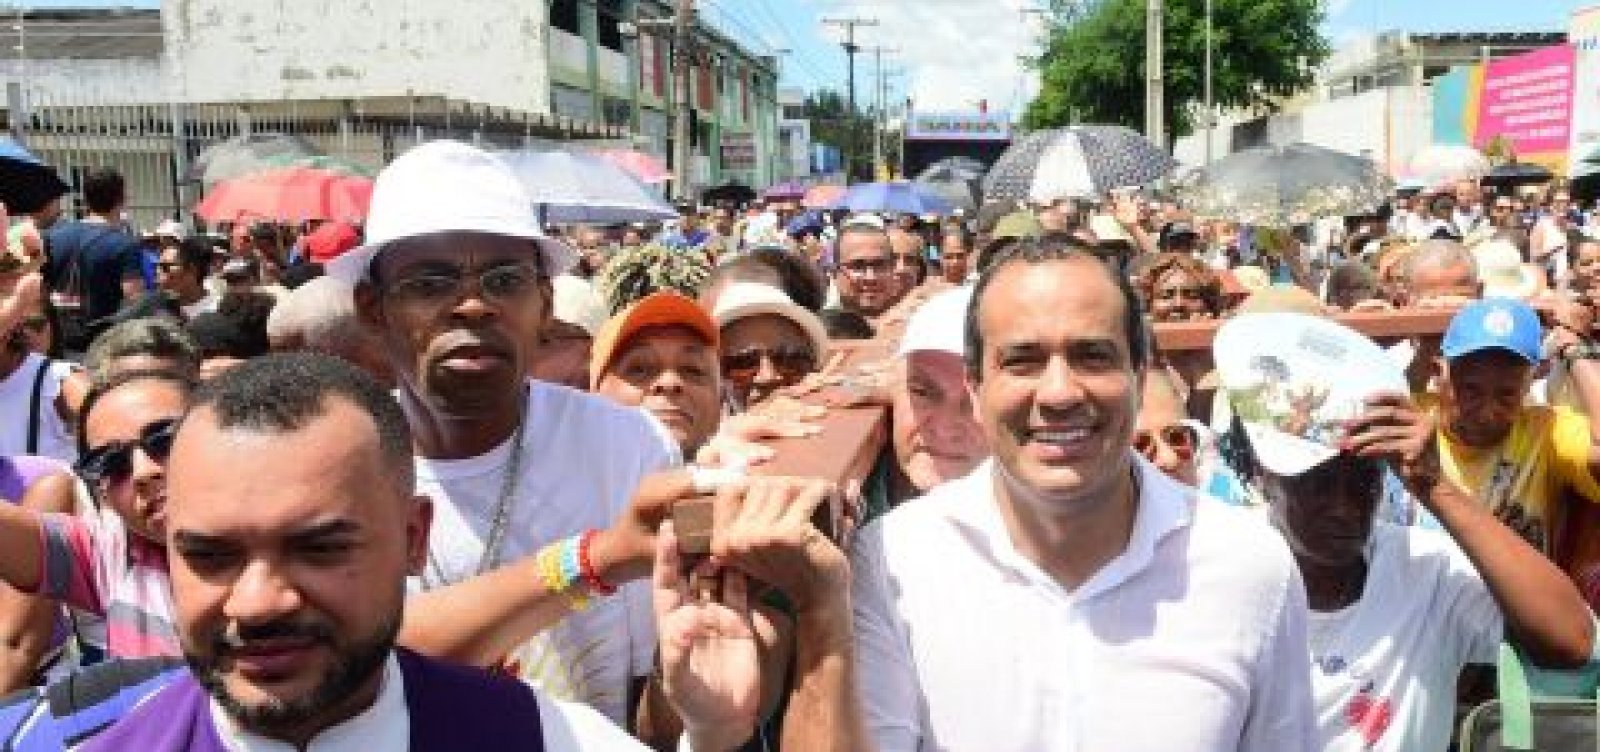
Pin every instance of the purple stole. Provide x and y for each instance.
(452, 708)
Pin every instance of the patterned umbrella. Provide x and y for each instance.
(26, 184)
(958, 180)
(1282, 186)
(1083, 161)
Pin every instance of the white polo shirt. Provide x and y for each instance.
(1194, 638)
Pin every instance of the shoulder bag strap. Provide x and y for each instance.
(34, 404)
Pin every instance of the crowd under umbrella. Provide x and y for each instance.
(896, 197)
(575, 187)
(291, 194)
(1438, 165)
(244, 155)
(1515, 174)
(1283, 186)
(27, 184)
(1080, 161)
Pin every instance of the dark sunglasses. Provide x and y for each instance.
(1180, 438)
(791, 361)
(112, 463)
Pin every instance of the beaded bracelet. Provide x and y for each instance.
(591, 576)
(560, 571)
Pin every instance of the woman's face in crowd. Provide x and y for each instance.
(1178, 296)
(1586, 267)
(672, 372)
(765, 353)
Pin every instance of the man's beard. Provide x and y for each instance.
(351, 667)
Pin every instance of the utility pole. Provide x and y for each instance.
(1211, 114)
(683, 59)
(879, 106)
(850, 49)
(1154, 79)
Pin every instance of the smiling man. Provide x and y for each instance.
(293, 523)
(1056, 594)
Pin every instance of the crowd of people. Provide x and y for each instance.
(410, 485)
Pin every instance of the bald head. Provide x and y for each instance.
(1441, 269)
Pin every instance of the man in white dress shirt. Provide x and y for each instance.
(1066, 595)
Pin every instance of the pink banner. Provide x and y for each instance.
(1528, 100)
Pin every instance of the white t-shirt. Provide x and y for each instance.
(16, 392)
(582, 459)
(1192, 639)
(1384, 669)
(206, 304)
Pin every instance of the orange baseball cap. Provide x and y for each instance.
(663, 308)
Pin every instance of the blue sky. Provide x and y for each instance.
(951, 53)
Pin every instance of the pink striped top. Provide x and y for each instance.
(92, 563)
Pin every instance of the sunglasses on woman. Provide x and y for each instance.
(112, 463)
(1181, 439)
(792, 361)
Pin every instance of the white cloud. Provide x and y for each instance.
(955, 52)
(1333, 9)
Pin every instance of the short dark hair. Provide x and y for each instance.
(1047, 250)
(104, 190)
(284, 392)
(182, 382)
(195, 254)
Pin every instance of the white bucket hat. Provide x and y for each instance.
(1503, 273)
(742, 300)
(939, 325)
(448, 186)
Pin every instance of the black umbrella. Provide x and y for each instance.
(957, 180)
(244, 155)
(1513, 174)
(26, 184)
(1081, 161)
(738, 193)
(1282, 186)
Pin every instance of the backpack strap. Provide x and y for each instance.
(34, 405)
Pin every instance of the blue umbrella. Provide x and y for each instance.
(898, 197)
(26, 184)
(573, 187)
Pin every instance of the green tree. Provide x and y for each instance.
(1092, 70)
(834, 125)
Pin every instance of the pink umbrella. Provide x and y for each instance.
(823, 196)
(645, 167)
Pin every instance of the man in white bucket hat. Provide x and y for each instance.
(455, 278)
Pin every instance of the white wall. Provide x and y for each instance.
(126, 81)
(484, 51)
(1389, 125)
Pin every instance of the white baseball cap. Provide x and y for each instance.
(939, 324)
(448, 186)
(170, 229)
(742, 300)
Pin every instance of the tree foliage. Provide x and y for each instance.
(833, 124)
(1092, 70)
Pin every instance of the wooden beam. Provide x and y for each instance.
(1197, 335)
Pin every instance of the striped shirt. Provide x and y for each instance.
(93, 564)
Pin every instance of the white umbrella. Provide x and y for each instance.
(1441, 164)
(570, 187)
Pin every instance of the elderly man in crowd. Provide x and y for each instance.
(933, 429)
(1514, 458)
(320, 316)
(997, 612)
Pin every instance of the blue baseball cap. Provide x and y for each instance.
(1495, 323)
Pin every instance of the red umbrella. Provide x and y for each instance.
(290, 194)
(647, 168)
